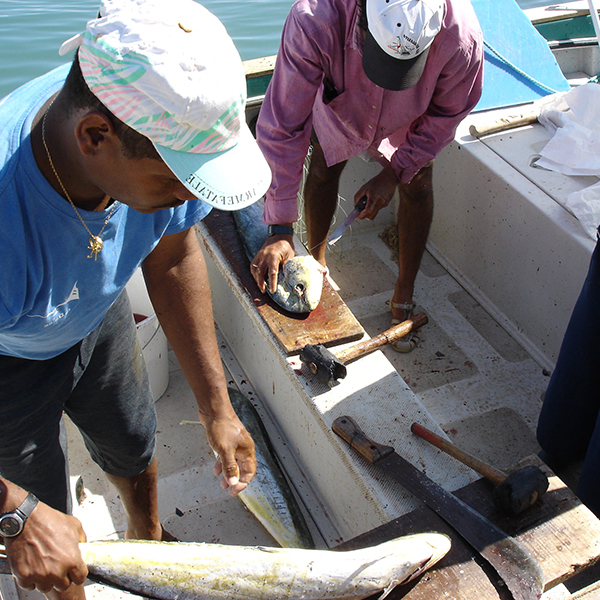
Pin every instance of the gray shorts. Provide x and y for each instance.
(102, 384)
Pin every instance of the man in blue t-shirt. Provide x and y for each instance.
(107, 165)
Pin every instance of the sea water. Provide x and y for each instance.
(31, 31)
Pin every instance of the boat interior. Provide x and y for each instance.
(503, 267)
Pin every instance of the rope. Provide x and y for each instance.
(519, 71)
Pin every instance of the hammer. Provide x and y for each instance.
(512, 493)
(329, 367)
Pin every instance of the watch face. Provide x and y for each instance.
(10, 525)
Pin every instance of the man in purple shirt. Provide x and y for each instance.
(388, 78)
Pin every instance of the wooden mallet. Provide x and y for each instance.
(512, 493)
(329, 367)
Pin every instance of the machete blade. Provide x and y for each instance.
(519, 570)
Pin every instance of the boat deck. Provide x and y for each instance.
(472, 378)
(468, 377)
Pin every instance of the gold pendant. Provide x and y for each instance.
(95, 245)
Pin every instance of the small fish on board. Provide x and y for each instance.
(269, 496)
(299, 281)
(196, 571)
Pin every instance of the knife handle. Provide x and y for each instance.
(351, 433)
(361, 204)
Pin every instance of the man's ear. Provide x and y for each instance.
(94, 131)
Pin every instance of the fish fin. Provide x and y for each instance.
(388, 589)
(273, 550)
(419, 571)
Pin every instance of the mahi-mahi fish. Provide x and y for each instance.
(196, 571)
(299, 281)
(269, 496)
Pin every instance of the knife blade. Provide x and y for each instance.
(358, 208)
(519, 570)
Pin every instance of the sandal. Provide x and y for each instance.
(411, 340)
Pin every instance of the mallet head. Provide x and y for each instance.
(520, 490)
(323, 363)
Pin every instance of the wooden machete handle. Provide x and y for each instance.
(351, 433)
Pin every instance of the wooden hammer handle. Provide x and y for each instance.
(503, 123)
(387, 337)
(489, 472)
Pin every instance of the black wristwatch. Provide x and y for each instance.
(12, 522)
(280, 230)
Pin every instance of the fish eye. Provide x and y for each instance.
(300, 287)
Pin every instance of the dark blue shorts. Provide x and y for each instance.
(102, 384)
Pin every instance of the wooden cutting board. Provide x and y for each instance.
(558, 530)
(330, 324)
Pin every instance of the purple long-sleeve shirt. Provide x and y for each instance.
(322, 41)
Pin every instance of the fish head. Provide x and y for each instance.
(306, 279)
(299, 285)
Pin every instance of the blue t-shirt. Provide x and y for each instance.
(51, 294)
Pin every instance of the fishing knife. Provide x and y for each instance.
(519, 570)
(358, 208)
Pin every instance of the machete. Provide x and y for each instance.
(514, 563)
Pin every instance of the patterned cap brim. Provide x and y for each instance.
(228, 180)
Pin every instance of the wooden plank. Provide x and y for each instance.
(331, 323)
(557, 11)
(259, 67)
(559, 531)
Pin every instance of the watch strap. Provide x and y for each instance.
(26, 507)
(280, 230)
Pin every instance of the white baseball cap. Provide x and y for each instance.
(169, 70)
(400, 33)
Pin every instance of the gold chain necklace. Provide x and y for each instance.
(95, 244)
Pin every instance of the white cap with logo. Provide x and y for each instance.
(400, 33)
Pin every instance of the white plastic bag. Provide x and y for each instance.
(585, 205)
(574, 149)
(574, 119)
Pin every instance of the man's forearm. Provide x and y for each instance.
(11, 495)
(179, 289)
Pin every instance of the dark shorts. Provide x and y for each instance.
(102, 385)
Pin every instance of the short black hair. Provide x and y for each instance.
(78, 95)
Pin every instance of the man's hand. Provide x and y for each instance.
(379, 191)
(235, 450)
(46, 556)
(275, 252)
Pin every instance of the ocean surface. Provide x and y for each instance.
(31, 31)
